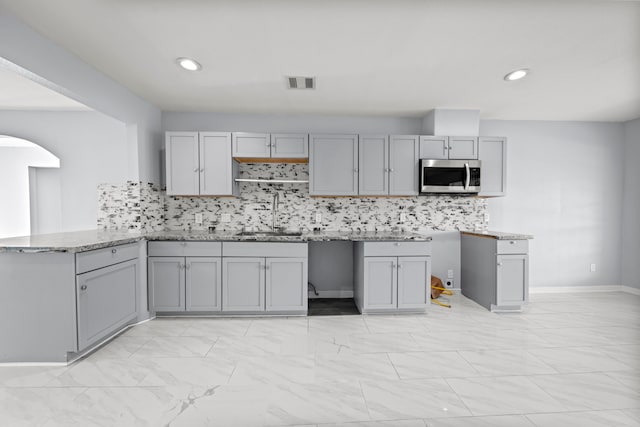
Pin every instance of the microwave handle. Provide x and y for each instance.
(466, 184)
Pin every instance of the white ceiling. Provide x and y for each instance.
(391, 57)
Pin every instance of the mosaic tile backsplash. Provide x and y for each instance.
(138, 206)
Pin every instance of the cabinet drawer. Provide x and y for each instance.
(175, 248)
(92, 260)
(397, 248)
(513, 246)
(265, 249)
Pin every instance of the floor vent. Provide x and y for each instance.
(301, 82)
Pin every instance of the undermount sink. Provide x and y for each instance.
(278, 233)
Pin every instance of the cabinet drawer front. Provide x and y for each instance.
(513, 246)
(91, 260)
(264, 249)
(185, 248)
(397, 248)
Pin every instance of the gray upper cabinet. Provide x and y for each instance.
(182, 163)
(247, 144)
(463, 147)
(333, 165)
(388, 165)
(217, 169)
(403, 165)
(290, 145)
(448, 147)
(373, 153)
(200, 163)
(264, 145)
(492, 151)
(434, 147)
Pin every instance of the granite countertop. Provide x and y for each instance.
(80, 241)
(72, 241)
(498, 235)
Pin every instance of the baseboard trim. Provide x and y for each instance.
(630, 290)
(331, 294)
(569, 289)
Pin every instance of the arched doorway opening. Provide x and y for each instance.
(29, 188)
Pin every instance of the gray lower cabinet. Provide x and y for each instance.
(264, 276)
(392, 276)
(107, 300)
(185, 283)
(495, 273)
(243, 284)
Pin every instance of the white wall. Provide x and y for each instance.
(92, 149)
(631, 206)
(14, 187)
(46, 62)
(565, 187)
(179, 121)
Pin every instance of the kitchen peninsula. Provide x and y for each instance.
(71, 291)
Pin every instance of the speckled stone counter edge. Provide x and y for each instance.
(81, 241)
(498, 235)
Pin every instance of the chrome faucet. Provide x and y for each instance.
(274, 211)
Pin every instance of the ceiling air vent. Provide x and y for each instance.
(301, 82)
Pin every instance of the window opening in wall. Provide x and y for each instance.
(29, 188)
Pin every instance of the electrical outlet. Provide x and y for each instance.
(486, 217)
(450, 274)
(448, 283)
(198, 218)
(592, 268)
(318, 218)
(225, 218)
(403, 217)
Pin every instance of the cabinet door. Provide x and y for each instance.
(380, 282)
(333, 165)
(182, 164)
(286, 284)
(203, 287)
(243, 284)
(434, 147)
(403, 165)
(107, 300)
(414, 282)
(463, 147)
(251, 144)
(290, 146)
(216, 165)
(167, 278)
(512, 287)
(492, 151)
(373, 154)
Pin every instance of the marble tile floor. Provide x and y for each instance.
(567, 360)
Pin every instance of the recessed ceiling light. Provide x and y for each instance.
(189, 64)
(517, 74)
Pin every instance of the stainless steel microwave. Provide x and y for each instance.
(449, 176)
